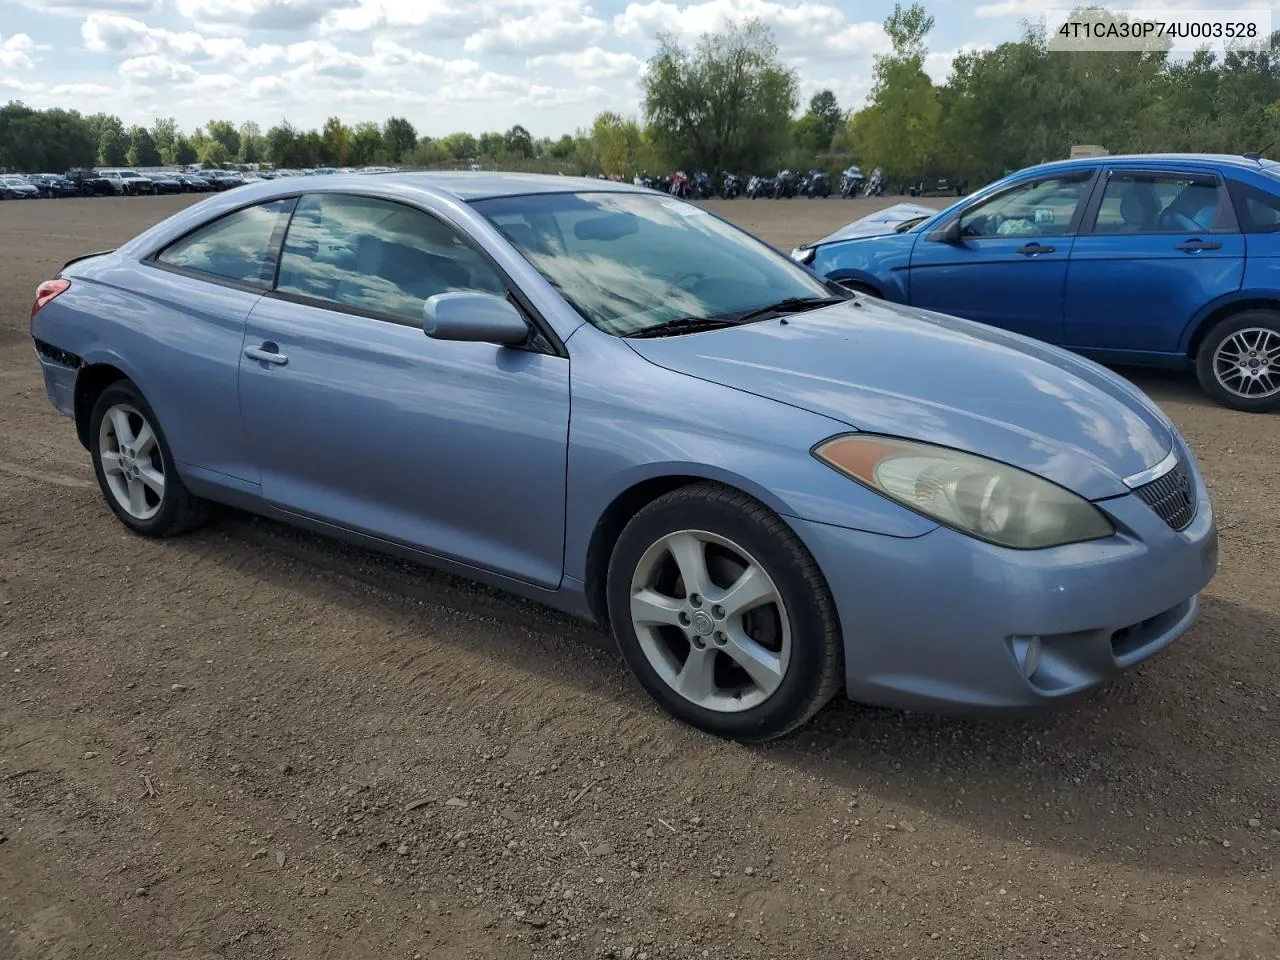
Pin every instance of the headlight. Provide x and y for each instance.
(977, 496)
(802, 254)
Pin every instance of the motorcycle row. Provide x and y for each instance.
(787, 183)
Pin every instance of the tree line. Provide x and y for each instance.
(730, 103)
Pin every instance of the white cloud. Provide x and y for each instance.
(591, 63)
(111, 33)
(77, 8)
(549, 30)
(811, 29)
(16, 52)
(156, 69)
(260, 14)
(389, 55)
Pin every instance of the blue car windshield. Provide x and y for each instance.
(631, 261)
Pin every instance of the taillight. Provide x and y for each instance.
(47, 291)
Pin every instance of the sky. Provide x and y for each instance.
(447, 65)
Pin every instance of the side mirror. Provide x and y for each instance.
(474, 318)
(950, 233)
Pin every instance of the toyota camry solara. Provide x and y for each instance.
(611, 401)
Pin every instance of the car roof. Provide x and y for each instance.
(1172, 159)
(481, 185)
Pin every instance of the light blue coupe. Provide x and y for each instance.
(613, 402)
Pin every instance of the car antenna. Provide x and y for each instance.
(1256, 155)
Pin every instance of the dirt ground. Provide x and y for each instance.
(254, 743)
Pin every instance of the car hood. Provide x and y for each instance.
(890, 369)
(879, 223)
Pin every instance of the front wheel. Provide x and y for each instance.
(1238, 363)
(723, 615)
(135, 469)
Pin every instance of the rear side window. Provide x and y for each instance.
(1257, 210)
(240, 246)
(1143, 203)
(377, 257)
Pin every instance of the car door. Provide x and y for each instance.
(1155, 248)
(1003, 259)
(359, 419)
(190, 319)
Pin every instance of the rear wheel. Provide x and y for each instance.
(723, 615)
(1238, 362)
(135, 469)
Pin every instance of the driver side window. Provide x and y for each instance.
(1042, 208)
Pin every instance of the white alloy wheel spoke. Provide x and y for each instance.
(763, 666)
(690, 555)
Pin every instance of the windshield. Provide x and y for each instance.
(629, 262)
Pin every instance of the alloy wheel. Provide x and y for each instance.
(131, 461)
(710, 621)
(1247, 363)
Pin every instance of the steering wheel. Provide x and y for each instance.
(692, 277)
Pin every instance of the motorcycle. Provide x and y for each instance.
(680, 185)
(818, 186)
(786, 184)
(701, 188)
(730, 186)
(851, 181)
(875, 186)
(758, 187)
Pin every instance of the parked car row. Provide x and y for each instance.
(105, 182)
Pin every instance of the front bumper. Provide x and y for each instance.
(941, 622)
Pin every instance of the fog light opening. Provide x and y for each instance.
(1026, 650)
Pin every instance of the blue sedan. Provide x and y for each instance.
(1170, 261)
(611, 401)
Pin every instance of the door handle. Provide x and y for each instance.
(267, 353)
(1031, 249)
(1191, 246)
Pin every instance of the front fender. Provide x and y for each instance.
(878, 262)
(634, 421)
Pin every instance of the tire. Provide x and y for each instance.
(794, 643)
(173, 511)
(1259, 328)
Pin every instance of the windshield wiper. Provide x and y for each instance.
(680, 325)
(790, 305)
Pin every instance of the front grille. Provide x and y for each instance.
(1171, 496)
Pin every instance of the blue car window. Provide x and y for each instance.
(377, 257)
(1258, 211)
(235, 247)
(1042, 208)
(1142, 203)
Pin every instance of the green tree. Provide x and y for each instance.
(517, 141)
(164, 132)
(142, 150)
(253, 147)
(113, 143)
(490, 145)
(461, 146)
(563, 148)
(214, 153)
(366, 144)
(825, 108)
(724, 106)
(619, 145)
(898, 130)
(429, 153)
(184, 151)
(399, 138)
(225, 133)
(336, 140)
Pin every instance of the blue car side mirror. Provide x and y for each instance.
(474, 317)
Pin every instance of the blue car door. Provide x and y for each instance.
(359, 419)
(194, 299)
(1002, 260)
(1155, 248)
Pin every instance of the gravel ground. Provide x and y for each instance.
(257, 743)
